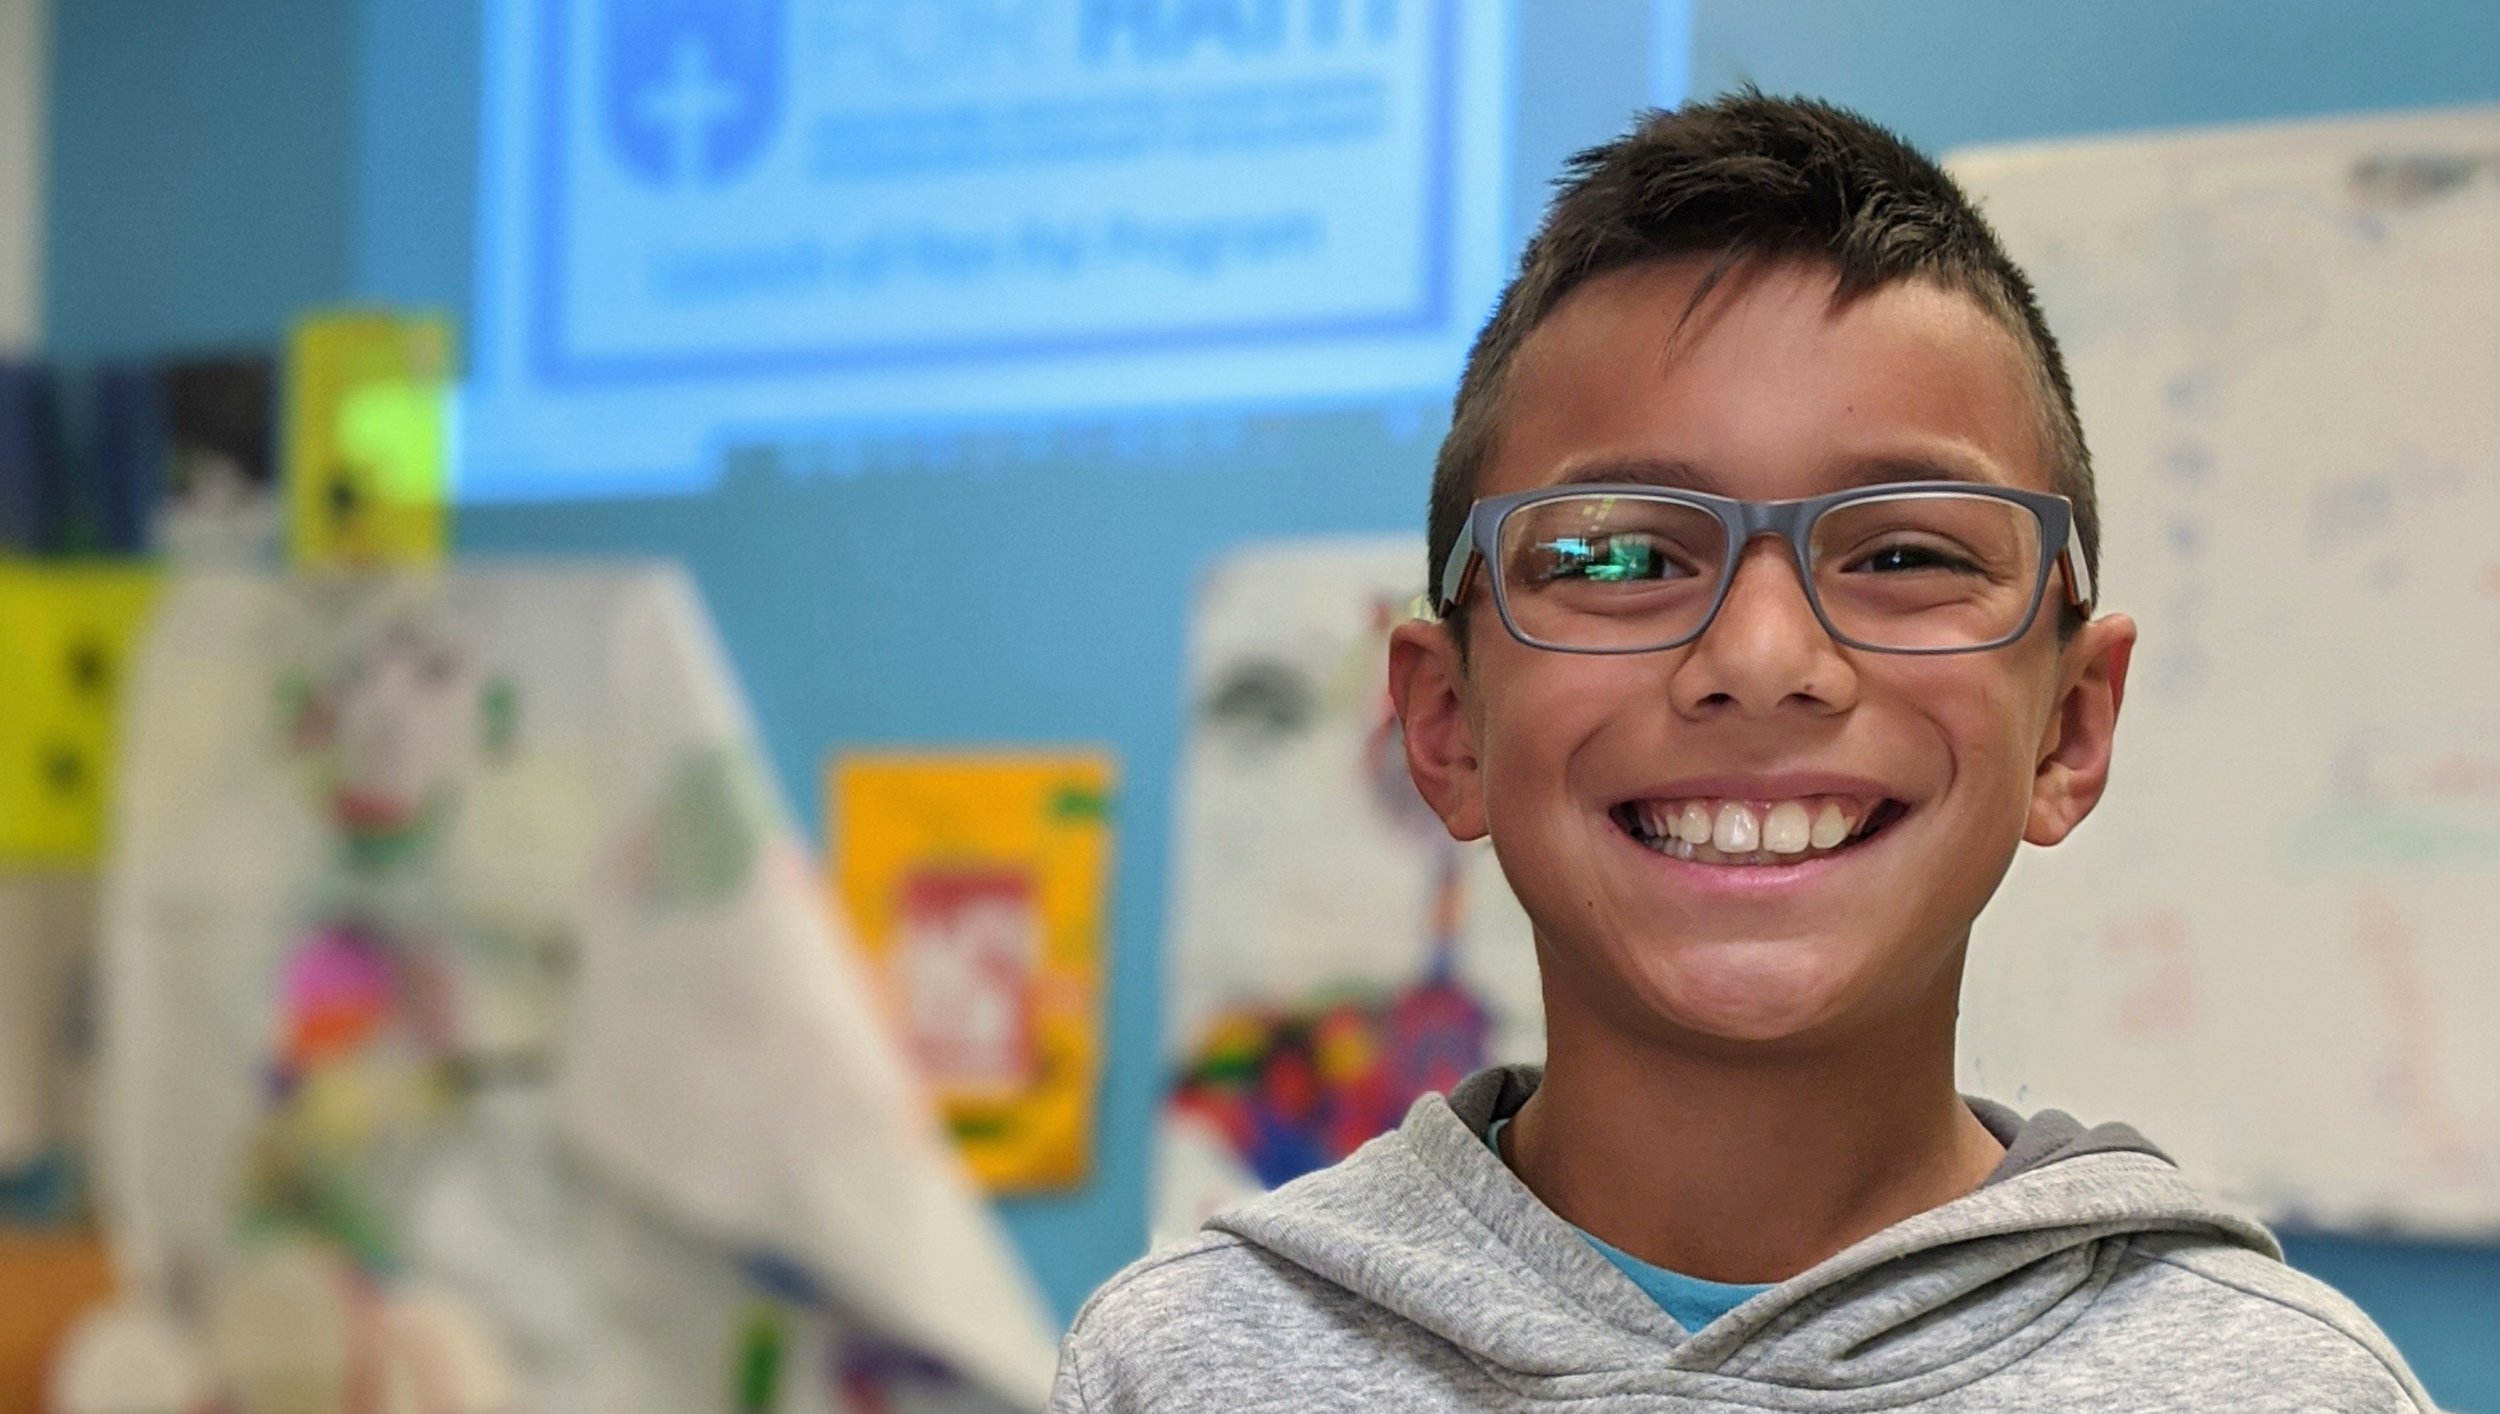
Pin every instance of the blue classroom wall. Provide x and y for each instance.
(1947, 73)
(201, 172)
(215, 168)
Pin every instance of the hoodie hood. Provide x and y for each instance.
(1429, 1224)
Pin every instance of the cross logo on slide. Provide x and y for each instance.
(686, 107)
(691, 90)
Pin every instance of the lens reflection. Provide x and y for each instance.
(1613, 573)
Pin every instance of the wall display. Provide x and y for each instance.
(66, 634)
(462, 967)
(121, 473)
(30, 457)
(368, 439)
(1334, 953)
(220, 473)
(166, 455)
(979, 887)
(2271, 947)
(710, 221)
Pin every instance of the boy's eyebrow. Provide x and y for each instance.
(1943, 465)
(1641, 471)
(1878, 470)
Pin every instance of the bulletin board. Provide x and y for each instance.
(2273, 947)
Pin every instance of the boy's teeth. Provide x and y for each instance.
(1786, 830)
(1735, 831)
(1692, 823)
(1659, 820)
(1743, 832)
(1830, 827)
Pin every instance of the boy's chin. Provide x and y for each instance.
(1753, 993)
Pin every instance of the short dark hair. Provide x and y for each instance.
(1747, 177)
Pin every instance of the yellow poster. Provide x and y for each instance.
(68, 634)
(368, 448)
(978, 885)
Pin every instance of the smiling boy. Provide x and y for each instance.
(1762, 544)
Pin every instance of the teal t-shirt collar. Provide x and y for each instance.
(1693, 1303)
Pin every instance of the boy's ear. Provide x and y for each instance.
(1426, 686)
(2073, 762)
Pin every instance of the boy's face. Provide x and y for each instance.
(1768, 392)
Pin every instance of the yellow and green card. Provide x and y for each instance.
(978, 885)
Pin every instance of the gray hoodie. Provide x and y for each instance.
(1420, 1275)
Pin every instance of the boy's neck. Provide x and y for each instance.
(1746, 1169)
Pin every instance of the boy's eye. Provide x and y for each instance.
(1605, 559)
(1903, 557)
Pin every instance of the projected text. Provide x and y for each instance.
(762, 186)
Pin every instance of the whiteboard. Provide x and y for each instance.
(2276, 947)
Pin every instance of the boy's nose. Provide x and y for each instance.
(1765, 651)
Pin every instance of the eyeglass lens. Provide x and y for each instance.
(1917, 571)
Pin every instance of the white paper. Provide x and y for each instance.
(675, 1124)
(1322, 915)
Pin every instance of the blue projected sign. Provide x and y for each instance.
(714, 216)
(689, 90)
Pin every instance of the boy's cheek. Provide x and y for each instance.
(1540, 702)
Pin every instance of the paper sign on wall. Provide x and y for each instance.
(368, 450)
(977, 885)
(65, 633)
(1334, 954)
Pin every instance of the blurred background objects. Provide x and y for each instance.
(735, 518)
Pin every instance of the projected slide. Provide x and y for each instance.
(713, 220)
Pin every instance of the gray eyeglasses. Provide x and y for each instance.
(1905, 567)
